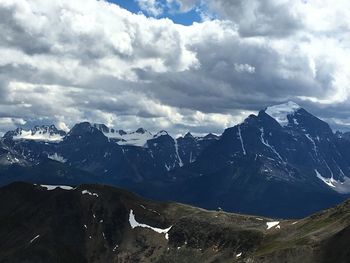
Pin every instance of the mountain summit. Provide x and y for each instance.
(282, 112)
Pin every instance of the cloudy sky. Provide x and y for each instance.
(178, 65)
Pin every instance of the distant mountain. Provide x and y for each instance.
(116, 156)
(101, 224)
(283, 162)
(38, 133)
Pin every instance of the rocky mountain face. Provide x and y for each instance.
(298, 148)
(276, 163)
(94, 223)
(282, 162)
(10, 157)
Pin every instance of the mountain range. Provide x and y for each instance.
(282, 162)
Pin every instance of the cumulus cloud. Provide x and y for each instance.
(254, 17)
(69, 61)
(152, 7)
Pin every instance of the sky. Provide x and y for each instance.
(175, 65)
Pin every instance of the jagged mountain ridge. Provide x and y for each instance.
(112, 153)
(269, 164)
(304, 146)
(94, 223)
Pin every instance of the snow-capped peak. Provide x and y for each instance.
(160, 134)
(136, 138)
(38, 133)
(281, 111)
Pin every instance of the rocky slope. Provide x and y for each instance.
(93, 223)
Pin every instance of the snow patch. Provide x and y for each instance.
(89, 193)
(191, 159)
(327, 181)
(336, 185)
(115, 248)
(57, 158)
(38, 136)
(241, 139)
(272, 224)
(177, 153)
(266, 143)
(281, 111)
(312, 142)
(132, 138)
(33, 239)
(53, 187)
(134, 224)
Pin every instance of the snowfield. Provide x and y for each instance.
(134, 224)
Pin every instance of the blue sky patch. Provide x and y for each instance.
(187, 18)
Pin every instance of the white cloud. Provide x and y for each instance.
(68, 61)
(152, 7)
(7, 124)
(62, 126)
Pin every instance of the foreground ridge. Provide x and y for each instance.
(95, 223)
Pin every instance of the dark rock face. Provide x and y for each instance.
(345, 135)
(283, 162)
